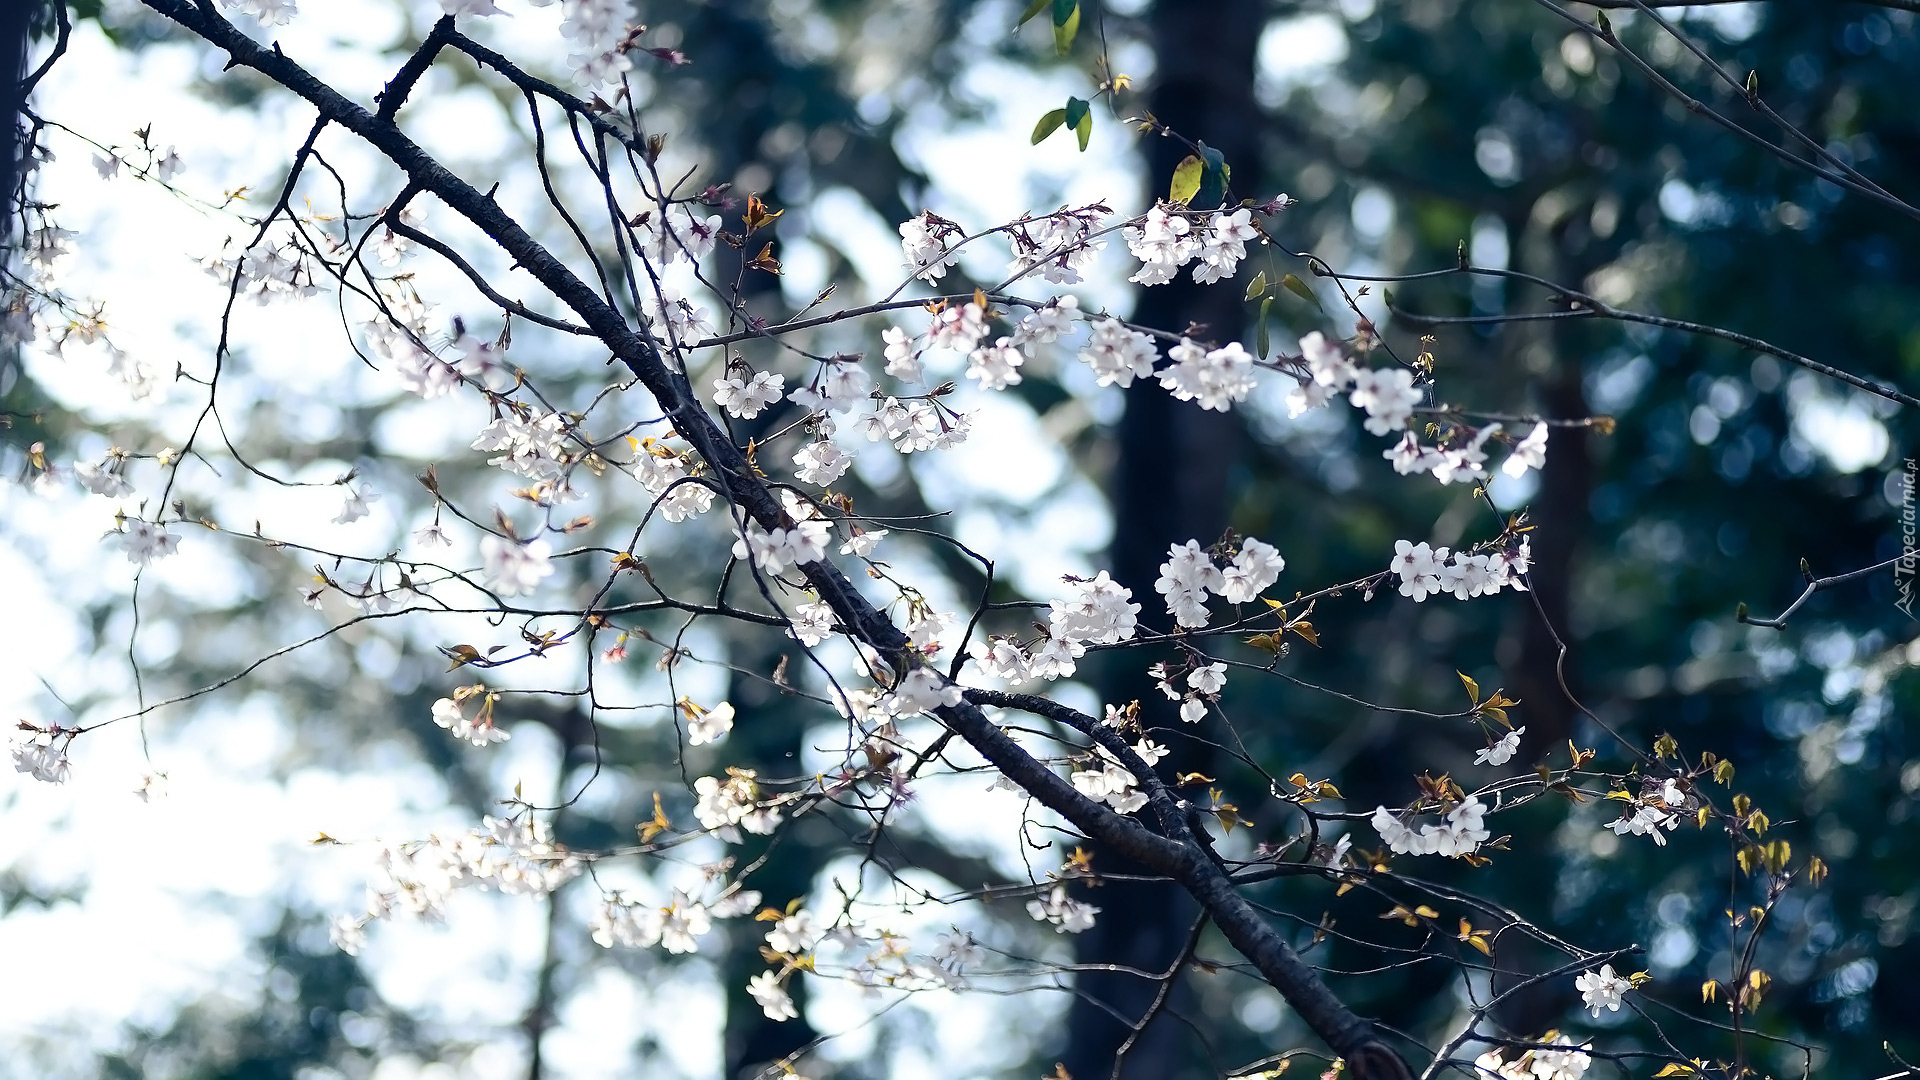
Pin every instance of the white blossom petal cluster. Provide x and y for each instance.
(1163, 242)
(1461, 830)
(1388, 395)
(42, 752)
(1189, 575)
(595, 29)
(1095, 611)
(144, 541)
(661, 471)
(265, 273)
(1528, 453)
(269, 12)
(1648, 814)
(812, 623)
(354, 502)
(419, 370)
(1223, 245)
(745, 397)
(1111, 782)
(512, 568)
(1503, 750)
(1602, 989)
(903, 355)
(923, 239)
(1047, 324)
(996, 367)
(676, 926)
(773, 550)
(821, 462)
(1060, 244)
(104, 478)
(727, 806)
(678, 317)
(958, 327)
(679, 232)
(1215, 378)
(921, 690)
(708, 725)
(1068, 916)
(1539, 1063)
(535, 445)
(1425, 570)
(480, 730)
(766, 991)
(839, 385)
(1118, 355)
(794, 934)
(916, 426)
(514, 855)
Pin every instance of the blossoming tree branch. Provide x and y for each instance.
(720, 421)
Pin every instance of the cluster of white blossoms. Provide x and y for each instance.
(924, 239)
(479, 729)
(1095, 611)
(1539, 1063)
(1214, 378)
(105, 478)
(1189, 575)
(532, 444)
(676, 926)
(678, 232)
(1651, 812)
(744, 393)
(1602, 989)
(676, 317)
(1203, 684)
(1465, 459)
(1060, 245)
(1118, 355)
(724, 807)
(707, 725)
(1111, 782)
(266, 273)
(1165, 240)
(773, 550)
(1503, 749)
(269, 12)
(1068, 916)
(512, 568)
(1424, 570)
(513, 855)
(1460, 832)
(664, 474)
(1387, 394)
(143, 541)
(41, 752)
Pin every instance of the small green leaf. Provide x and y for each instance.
(1063, 10)
(1076, 111)
(1213, 182)
(1032, 9)
(1084, 129)
(1299, 288)
(1065, 29)
(1260, 335)
(1186, 179)
(1258, 286)
(1048, 124)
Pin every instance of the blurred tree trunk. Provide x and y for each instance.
(1170, 484)
(16, 22)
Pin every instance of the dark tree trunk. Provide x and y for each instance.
(1170, 484)
(16, 22)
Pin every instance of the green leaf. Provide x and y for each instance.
(1032, 10)
(1257, 287)
(1260, 335)
(1299, 288)
(1048, 124)
(1063, 10)
(1084, 129)
(1186, 179)
(1213, 182)
(1076, 111)
(1064, 28)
